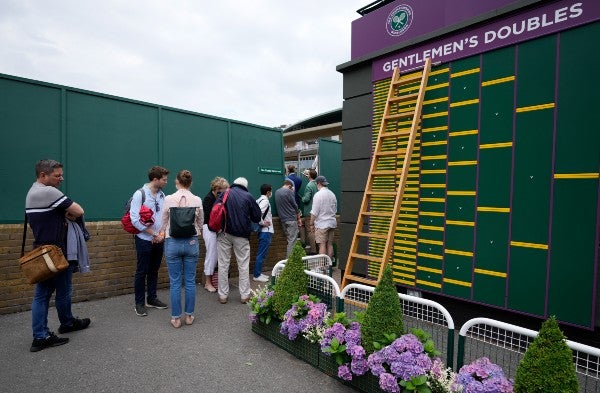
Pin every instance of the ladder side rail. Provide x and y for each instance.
(387, 252)
(368, 186)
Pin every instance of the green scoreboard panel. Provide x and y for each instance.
(502, 206)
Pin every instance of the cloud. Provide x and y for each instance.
(263, 62)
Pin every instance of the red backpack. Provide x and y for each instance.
(218, 215)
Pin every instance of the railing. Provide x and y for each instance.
(505, 345)
(419, 313)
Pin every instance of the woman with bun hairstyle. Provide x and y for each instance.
(182, 253)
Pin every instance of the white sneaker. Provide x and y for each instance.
(261, 278)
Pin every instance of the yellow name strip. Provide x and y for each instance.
(462, 133)
(463, 73)
(457, 282)
(432, 228)
(493, 209)
(529, 245)
(463, 103)
(535, 107)
(461, 223)
(461, 193)
(433, 171)
(435, 101)
(431, 214)
(440, 71)
(428, 241)
(577, 175)
(433, 129)
(461, 163)
(432, 115)
(458, 252)
(496, 81)
(436, 143)
(432, 256)
(490, 273)
(436, 200)
(429, 284)
(433, 185)
(438, 157)
(438, 86)
(429, 269)
(495, 145)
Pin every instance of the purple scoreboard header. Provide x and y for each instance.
(406, 19)
(543, 20)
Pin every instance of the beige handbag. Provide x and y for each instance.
(42, 262)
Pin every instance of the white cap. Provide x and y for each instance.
(242, 181)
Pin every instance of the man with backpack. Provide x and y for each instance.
(149, 242)
(241, 210)
(265, 232)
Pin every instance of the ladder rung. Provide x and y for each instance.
(396, 134)
(364, 280)
(366, 257)
(405, 81)
(375, 235)
(406, 97)
(390, 153)
(381, 193)
(377, 214)
(400, 115)
(387, 172)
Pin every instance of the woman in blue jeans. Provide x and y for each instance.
(181, 253)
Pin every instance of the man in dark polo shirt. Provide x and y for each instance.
(47, 210)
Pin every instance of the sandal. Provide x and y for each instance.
(210, 288)
(176, 322)
(189, 319)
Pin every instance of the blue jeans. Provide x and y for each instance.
(264, 241)
(182, 257)
(62, 284)
(149, 256)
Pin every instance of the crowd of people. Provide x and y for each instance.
(179, 221)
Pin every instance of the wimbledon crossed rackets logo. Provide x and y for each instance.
(399, 20)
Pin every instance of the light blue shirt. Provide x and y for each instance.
(153, 203)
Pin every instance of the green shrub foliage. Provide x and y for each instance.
(292, 282)
(547, 366)
(383, 315)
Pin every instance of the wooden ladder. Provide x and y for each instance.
(387, 178)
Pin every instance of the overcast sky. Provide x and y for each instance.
(264, 62)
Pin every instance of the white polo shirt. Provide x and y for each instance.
(324, 209)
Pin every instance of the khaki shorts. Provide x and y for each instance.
(324, 235)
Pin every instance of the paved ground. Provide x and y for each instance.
(121, 352)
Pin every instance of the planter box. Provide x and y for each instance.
(300, 347)
(311, 353)
(367, 383)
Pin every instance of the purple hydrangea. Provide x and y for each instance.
(304, 315)
(483, 376)
(344, 372)
(388, 383)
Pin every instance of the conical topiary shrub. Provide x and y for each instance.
(292, 282)
(383, 315)
(547, 366)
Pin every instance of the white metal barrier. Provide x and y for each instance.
(505, 344)
(419, 313)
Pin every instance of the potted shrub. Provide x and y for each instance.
(382, 321)
(292, 283)
(548, 363)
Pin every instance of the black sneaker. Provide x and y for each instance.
(78, 324)
(51, 341)
(155, 303)
(140, 310)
